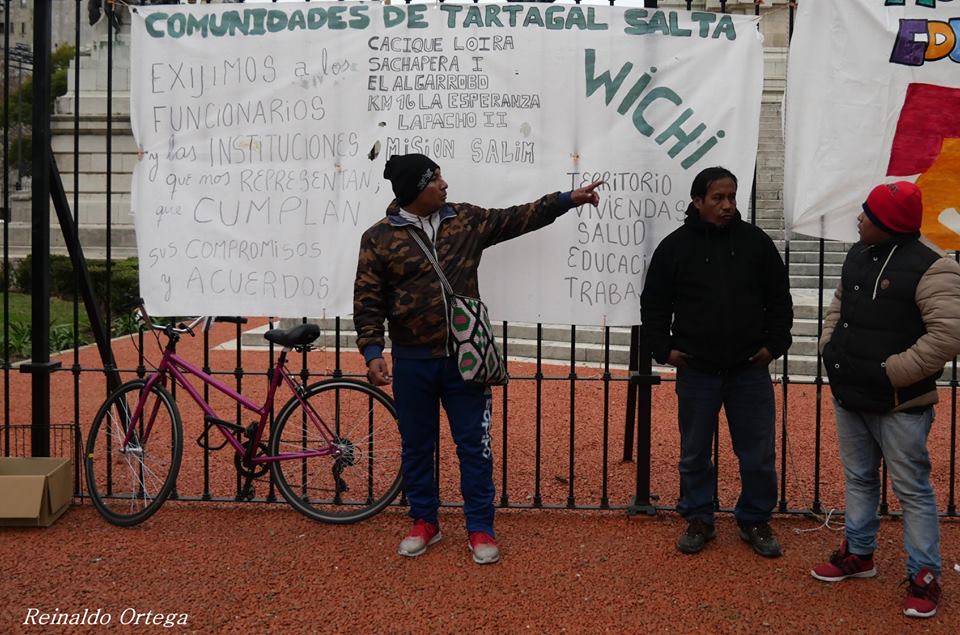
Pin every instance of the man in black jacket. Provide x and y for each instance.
(716, 304)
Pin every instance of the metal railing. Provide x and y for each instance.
(531, 472)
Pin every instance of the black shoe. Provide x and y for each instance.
(697, 535)
(761, 538)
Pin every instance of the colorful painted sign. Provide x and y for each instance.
(873, 95)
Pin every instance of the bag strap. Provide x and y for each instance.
(433, 261)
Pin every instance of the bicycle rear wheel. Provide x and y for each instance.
(362, 476)
(128, 484)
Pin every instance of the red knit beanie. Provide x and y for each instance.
(896, 208)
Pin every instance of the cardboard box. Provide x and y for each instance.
(34, 492)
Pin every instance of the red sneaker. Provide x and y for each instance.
(420, 537)
(843, 565)
(483, 547)
(923, 594)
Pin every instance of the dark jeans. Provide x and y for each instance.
(747, 398)
(419, 386)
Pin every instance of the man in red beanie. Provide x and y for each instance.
(397, 283)
(893, 324)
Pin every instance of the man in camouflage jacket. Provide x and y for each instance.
(396, 283)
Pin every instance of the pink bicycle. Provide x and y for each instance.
(333, 449)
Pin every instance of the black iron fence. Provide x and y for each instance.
(571, 434)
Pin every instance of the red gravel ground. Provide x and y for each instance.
(260, 567)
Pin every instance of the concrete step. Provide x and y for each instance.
(798, 367)
(807, 312)
(96, 182)
(92, 208)
(95, 162)
(92, 237)
(121, 143)
(95, 100)
(805, 327)
(812, 245)
(812, 281)
(91, 122)
(803, 345)
(830, 270)
(829, 257)
(770, 221)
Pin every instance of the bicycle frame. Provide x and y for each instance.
(178, 369)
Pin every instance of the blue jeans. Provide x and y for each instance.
(419, 386)
(901, 439)
(747, 398)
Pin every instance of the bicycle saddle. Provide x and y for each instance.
(300, 335)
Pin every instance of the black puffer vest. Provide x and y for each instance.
(879, 317)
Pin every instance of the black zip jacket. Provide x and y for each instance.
(719, 294)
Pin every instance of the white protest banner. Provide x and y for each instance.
(873, 96)
(264, 130)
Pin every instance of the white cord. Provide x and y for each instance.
(825, 523)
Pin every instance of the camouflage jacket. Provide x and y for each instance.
(395, 281)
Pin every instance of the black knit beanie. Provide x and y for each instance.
(409, 174)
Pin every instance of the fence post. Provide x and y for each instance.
(638, 390)
(632, 370)
(40, 365)
(641, 386)
(100, 332)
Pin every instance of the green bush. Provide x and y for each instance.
(124, 280)
(61, 276)
(20, 279)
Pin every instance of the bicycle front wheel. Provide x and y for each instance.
(361, 474)
(128, 483)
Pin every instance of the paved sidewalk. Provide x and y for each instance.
(264, 568)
